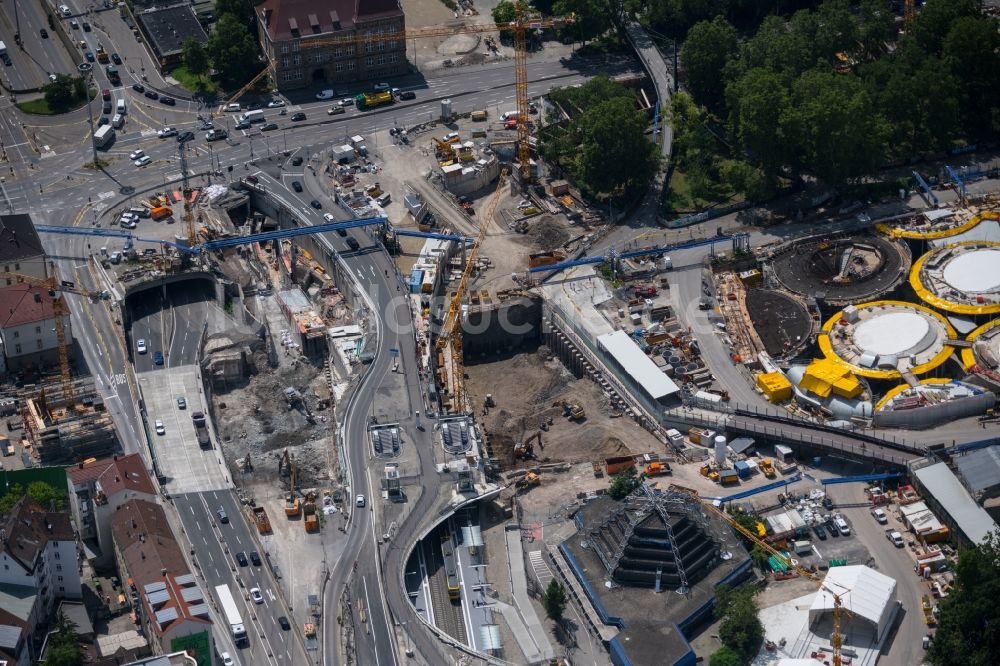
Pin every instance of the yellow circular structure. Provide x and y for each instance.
(884, 339)
(935, 233)
(896, 390)
(969, 359)
(963, 278)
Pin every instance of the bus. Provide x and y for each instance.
(104, 136)
(232, 614)
(450, 567)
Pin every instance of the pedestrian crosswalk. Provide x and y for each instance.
(541, 569)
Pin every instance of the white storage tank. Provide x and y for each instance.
(720, 450)
(446, 108)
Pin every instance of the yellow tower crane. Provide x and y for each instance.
(451, 332)
(55, 289)
(908, 13)
(524, 19)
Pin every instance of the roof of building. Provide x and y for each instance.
(639, 366)
(863, 591)
(147, 543)
(292, 19)
(29, 528)
(18, 238)
(25, 304)
(126, 640)
(741, 444)
(77, 613)
(12, 630)
(170, 26)
(114, 475)
(980, 469)
(18, 600)
(948, 491)
(825, 376)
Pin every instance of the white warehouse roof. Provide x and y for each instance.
(949, 492)
(640, 367)
(864, 592)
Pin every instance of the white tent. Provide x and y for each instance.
(866, 593)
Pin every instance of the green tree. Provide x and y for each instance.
(242, 10)
(706, 51)
(758, 101)
(875, 27)
(623, 483)
(933, 22)
(589, 20)
(194, 56)
(726, 656)
(47, 495)
(64, 650)
(617, 158)
(504, 12)
(233, 52)
(740, 628)
(8, 501)
(837, 28)
(61, 93)
(972, 51)
(965, 635)
(554, 600)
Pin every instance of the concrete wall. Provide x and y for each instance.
(502, 327)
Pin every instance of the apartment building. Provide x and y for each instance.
(20, 248)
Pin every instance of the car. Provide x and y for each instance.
(381, 87)
(136, 154)
(182, 402)
(126, 224)
(347, 101)
(297, 186)
(296, 117)
(329, 218)
(316, 204)
(7, 61)
(86, 27)
(359, 501)
(324, 95)
(185, 136)
(407, 94)
(89, 56)
(143, 161)
(335, 110)
(167, 131)
(102, 121)
(53, 78)
(242, 125)
(451, 137)
(342, 233)
(255, 558)
(107, 108)
(297, 160)
(820, 531)
(284, 623)
(106, 95)
(831, 527)
(169, 101)
(160, 430)
(221, 513)
(65, 11)
(227, 660)
(255, 594)
(895, 537)
(841, 524)
(138, 87)
(140, 346)
(216, 135)
(353, 244)
(241, 559)
(275, 104)
(268, 127)
(74, 24)
(43, 33)
(152, 94)
(879, 516)
(252, 179)
(158, 357)
(232, 107)
(115, 58)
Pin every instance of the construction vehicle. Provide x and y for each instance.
(928, 610)
(709, 473)
(102, 54)
(451, 334)
(292, 506)
(767, 468)
(372, 100)
(201, 430)
(529, 480)
(526, 449)
(656, 468)
(644, 290)
(311, 517)
(261, 520)
(524, 19)
(571, 410)
(545, 258)
(59, 312)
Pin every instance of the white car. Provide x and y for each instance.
(275, 104)
(257, 597)
(329, 218)
(65, 11)
(143, 161)
(136, 154)
(359, 501)
(227, 660)
(140, 346)
(167, 131)
(347, 101)
(841, 524)
(324, 94)
(232, 108)
(160, 430)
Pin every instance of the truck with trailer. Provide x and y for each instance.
(201, 428)
(232, 614)
(373, 100)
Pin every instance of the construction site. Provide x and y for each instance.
(61, 428)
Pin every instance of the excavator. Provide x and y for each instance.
(526, 449)
(571, 410)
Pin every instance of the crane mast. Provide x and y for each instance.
(186, 193)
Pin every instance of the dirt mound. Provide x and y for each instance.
(545, 234)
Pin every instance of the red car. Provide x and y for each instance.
(106, 95)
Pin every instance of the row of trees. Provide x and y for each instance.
(43, 493)
(790, 112)
(740, 631)
(604, 144)
(231, 50)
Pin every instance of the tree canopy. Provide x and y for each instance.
(233, 52)
(623, 483)
(740, 631)
(194, 56)
(64, 92)
(64, 650)
(554, 600)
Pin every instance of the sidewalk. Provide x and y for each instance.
(524, 623)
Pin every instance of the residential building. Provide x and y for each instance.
(97, 490)
(292, 35)
(20, 248)
(13, 640)
(28, 327)
(38, 562)
(169, 604)
(166, 28)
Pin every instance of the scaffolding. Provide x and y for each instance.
(68, 429)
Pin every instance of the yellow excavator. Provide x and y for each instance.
(526, 449)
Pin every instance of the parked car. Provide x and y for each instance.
(819, 531)
(296, 117)
(182, 402)
(185, 136)
(241, 559)
(233, 107)
(407, 94)
(268, 127)
(136, 154)
(169, 101)
(158, 357)
(879, 516)
(140, 346)
(831, 527)
(841, 524)
(894, 537)
(167, 131)
(255, 594)
(143, 161)
(297, 186)
(160, 430)
(242, 125)
(221, 513)
(316, 204)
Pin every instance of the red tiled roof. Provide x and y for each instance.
(115, 474)
(29, 528)
(291, 19)
(25, 304)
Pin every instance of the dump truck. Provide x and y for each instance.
(373, 99)
(657, 468)
(311, 518)
(201, 429)
(102, 55)
(617, 464)
(261, 520)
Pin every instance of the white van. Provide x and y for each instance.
(121, 107)
(118, 121)
(508, 114)
(879, 516)
(255, 116)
